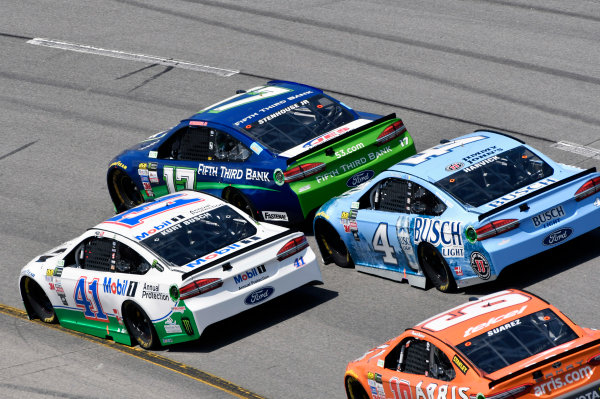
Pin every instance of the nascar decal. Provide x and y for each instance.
(446, 233)
(136, 216)
(354, 164)
(480, 265)
(440, 150)
(375, 383)
(223, 251)
(522, 191)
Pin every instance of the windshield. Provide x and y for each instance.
(298, 123)
(517, 340)
(496, 176)
(200, 235)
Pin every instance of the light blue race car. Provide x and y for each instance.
(457, 214)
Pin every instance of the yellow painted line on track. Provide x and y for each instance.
(151, 357)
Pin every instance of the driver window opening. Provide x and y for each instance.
(420, 357)
(103, 254)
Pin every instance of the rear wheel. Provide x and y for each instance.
(331, 244)
(354, 390)
(140, 326)
(239, 200)
(38, 301)
(436, 269)
(126, 194)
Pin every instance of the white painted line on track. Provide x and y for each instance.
(149, 59)
(579, 149)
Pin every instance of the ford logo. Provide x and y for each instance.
(360, 178)
(259, 295)
(558, 236)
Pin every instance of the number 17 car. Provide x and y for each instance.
(506, 345)
(162, 272)
(457, 214)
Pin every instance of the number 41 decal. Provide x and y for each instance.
(92, 309)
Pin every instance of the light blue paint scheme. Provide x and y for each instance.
(500, 251)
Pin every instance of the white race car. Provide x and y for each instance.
(162, 272)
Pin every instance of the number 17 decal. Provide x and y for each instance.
(90, 304)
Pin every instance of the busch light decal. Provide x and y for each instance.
(557, 236)
(259, 295)
(446, 233)
(359, 178)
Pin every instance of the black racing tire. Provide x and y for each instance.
(125, 194)
(38, 301)
(332, 246)
(436, 268)
(140, 326)
(239, 200)
(354, 390)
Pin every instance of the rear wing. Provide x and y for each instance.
(341, 137)
(536, 192)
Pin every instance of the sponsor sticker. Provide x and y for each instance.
(259, 295)
(480, 265)
(359, 178)
(549, 217)
(454, 166)
(275, 216)
(557, 236)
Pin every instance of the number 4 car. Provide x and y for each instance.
(509, 344)
(457, 214)
(162, 272)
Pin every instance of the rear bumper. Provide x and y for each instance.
(222, 304)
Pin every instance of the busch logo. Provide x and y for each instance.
(547, 216)
(117, 287)
(249, 275)
(437, 231)
(259, 295)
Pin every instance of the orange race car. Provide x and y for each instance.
(506, 345)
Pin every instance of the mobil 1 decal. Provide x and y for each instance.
(438, 232)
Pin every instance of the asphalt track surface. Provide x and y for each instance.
(528, 68)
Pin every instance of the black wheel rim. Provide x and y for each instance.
(435, 268)
(127, 191)
(38, 300)
(140, 327)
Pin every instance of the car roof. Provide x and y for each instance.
(473, 318)
(255, 103)
(150, 218)
(443, 160)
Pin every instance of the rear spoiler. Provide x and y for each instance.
(341, 137)
(544, 362)
(536, 192)
(236, 253)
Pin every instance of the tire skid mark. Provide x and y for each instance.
(296, 19)
(150, 357)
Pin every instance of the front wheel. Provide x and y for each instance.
(140, 326)
(354, 390)
(436, 268)
(38, 301)
(332, 245)
(126, 194)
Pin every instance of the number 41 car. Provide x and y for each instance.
(162, 272)
(510, 344)
(457, 214)
(277, 151)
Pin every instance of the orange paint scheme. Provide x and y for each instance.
(506, 345)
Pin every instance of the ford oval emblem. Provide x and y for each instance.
(558, 236)
(360, 178)
(259, 295)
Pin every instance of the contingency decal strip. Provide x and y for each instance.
(151, 357)
(150, 59)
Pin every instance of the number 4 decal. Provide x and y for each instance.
(381, 244)
(92, 309)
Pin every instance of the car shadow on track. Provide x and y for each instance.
(543, 266)
(257, 319)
